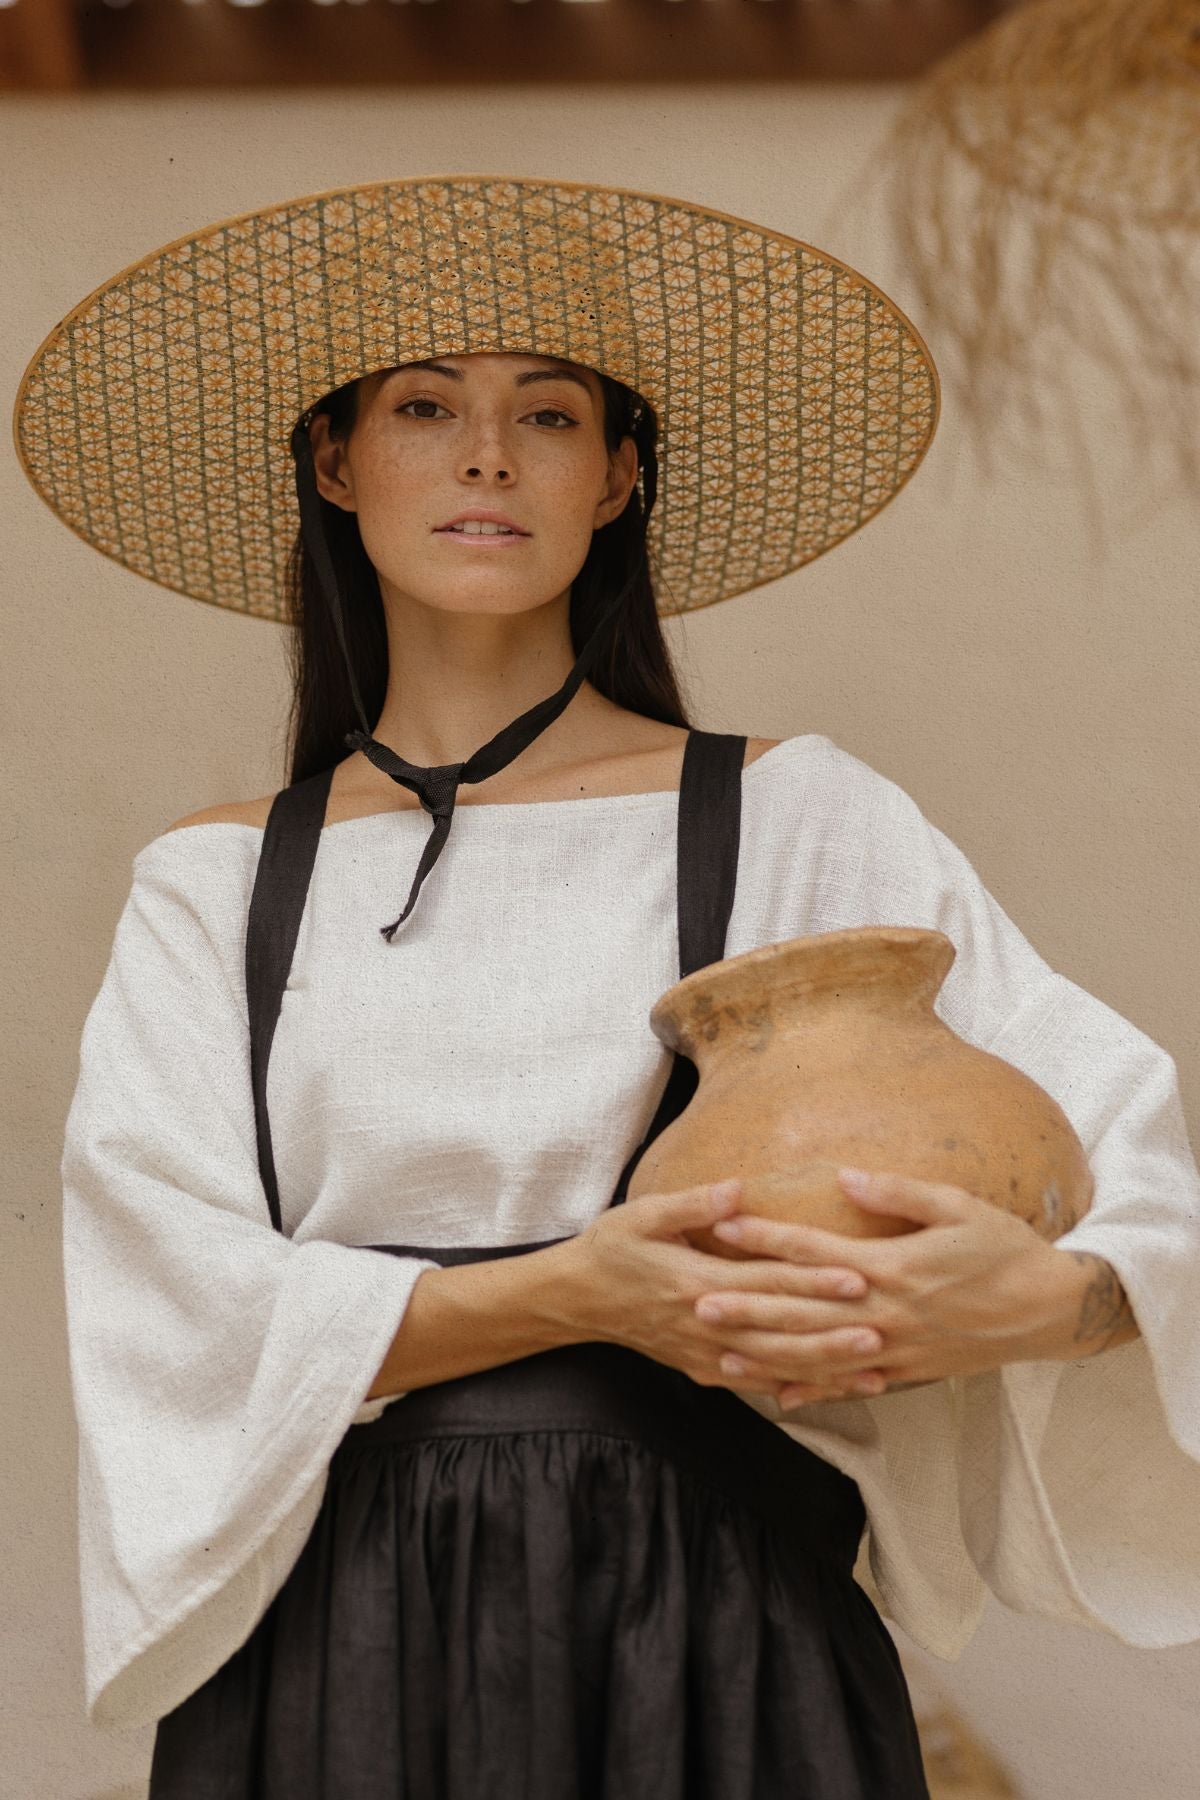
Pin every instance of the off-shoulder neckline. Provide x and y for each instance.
(626, 803)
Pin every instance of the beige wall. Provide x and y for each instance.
(1037, 701)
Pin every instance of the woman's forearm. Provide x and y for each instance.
(1090, 1310)
(475, 1316)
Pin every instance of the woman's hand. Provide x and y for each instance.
(975, 1287)
(636, 1280)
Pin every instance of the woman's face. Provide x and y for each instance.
(518, 435)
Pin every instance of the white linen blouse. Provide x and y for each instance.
(482, 1080)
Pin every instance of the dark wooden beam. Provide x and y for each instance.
(480, 43)
(40, 46)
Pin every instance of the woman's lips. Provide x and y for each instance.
(491, 540)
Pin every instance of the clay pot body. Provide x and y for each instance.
(826, 1050)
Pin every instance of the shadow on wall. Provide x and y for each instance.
(959, 1764)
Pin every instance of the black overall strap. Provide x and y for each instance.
(709, 826)
(285, 864)
(708, 839)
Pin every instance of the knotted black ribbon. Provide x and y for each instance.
(436, 787)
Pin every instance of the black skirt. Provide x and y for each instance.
(580, 1576)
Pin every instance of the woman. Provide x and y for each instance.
(408, 1464)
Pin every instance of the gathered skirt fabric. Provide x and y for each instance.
(575, 1577)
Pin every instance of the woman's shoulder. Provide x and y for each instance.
(218, 859)
(758, 746)
(229, 812)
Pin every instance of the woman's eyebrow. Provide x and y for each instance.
(439, 368)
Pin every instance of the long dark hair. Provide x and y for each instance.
(633, 668)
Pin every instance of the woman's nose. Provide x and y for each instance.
(487, 448)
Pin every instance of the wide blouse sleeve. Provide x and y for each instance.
(1078, 1483)
(215, 1364)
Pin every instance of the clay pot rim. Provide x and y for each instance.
(729, 971)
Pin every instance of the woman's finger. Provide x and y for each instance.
(801, 1244)
(792, 1356)
(779, 1312)
(742, 1307)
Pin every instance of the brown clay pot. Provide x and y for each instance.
(822, 1051)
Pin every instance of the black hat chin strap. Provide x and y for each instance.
(437, 787)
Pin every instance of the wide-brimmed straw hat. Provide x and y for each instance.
(794, 397)
(165, 419)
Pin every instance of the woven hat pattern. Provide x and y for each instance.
(794, 397)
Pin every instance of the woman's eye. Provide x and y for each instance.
(552, 412)
(433, 403)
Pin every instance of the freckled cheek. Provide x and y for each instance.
(396, 534)
(398, 505)
(562, 546)
(566, 507)
(397, 480)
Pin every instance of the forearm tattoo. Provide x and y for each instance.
(1105, 1317)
